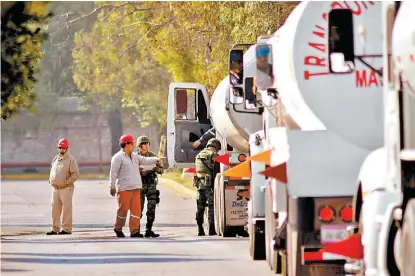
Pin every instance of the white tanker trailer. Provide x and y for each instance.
(326, 126)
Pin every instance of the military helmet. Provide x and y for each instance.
(214, 143)
(142, 140)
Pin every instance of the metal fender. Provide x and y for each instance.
(373, 172)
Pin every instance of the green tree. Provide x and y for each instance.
(57, 61)
(192, 39)
(22, 35)
(136, 48)
(115, 72)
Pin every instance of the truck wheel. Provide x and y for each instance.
(226, 231)
(283, 261)
(257, 241)
(290, 253)
(216, 203)
(390, 254)
(250, 227)
(408, 240)
(269, 233)
(272, 256)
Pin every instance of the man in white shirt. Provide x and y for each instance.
(125, 174)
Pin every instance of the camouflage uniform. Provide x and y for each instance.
(149, 190)
(206, 170)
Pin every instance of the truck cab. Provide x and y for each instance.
(191, 113)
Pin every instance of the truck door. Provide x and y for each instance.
(187, 119)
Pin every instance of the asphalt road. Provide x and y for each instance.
(92, 249)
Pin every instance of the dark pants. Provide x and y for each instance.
(204, 198)
(150, 191)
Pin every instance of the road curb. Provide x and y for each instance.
(37, 176)
(178, 187)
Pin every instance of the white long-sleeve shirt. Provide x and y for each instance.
(126, 170)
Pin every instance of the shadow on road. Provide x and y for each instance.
(107, 239)
(98, 225)
(104, 260)
(13, 270)
(95, 255)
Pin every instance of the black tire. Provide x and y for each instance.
(278, 264)
(289, 253)
(408, 240)
(257, 242)
(272, 256)
(284, 263)
(269, 230)
(390, 256)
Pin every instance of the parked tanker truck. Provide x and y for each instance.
(384, 213)
(318, 128)
(190, 114)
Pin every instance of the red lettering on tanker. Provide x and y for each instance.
(317, 60)
(366, 78)
(353, 6)
(316, 64)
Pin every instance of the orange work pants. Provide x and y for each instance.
(129, 201)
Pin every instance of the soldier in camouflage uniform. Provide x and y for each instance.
(149, 190)
(206, 170)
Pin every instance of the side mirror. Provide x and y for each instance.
(341, 41)
(264, 72)
(236, 95)
(236, 66)
(249, 96)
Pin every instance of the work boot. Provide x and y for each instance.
(119, 233)
(150, 234)
(201, 231)
(136, 235)
(212, 231)
(51, 233)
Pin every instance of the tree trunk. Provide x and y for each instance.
(116, 128)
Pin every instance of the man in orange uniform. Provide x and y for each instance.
(125, 166)
(63, 174)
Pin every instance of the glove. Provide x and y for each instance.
(112, 192)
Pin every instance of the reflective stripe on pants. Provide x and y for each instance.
(128, 201)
